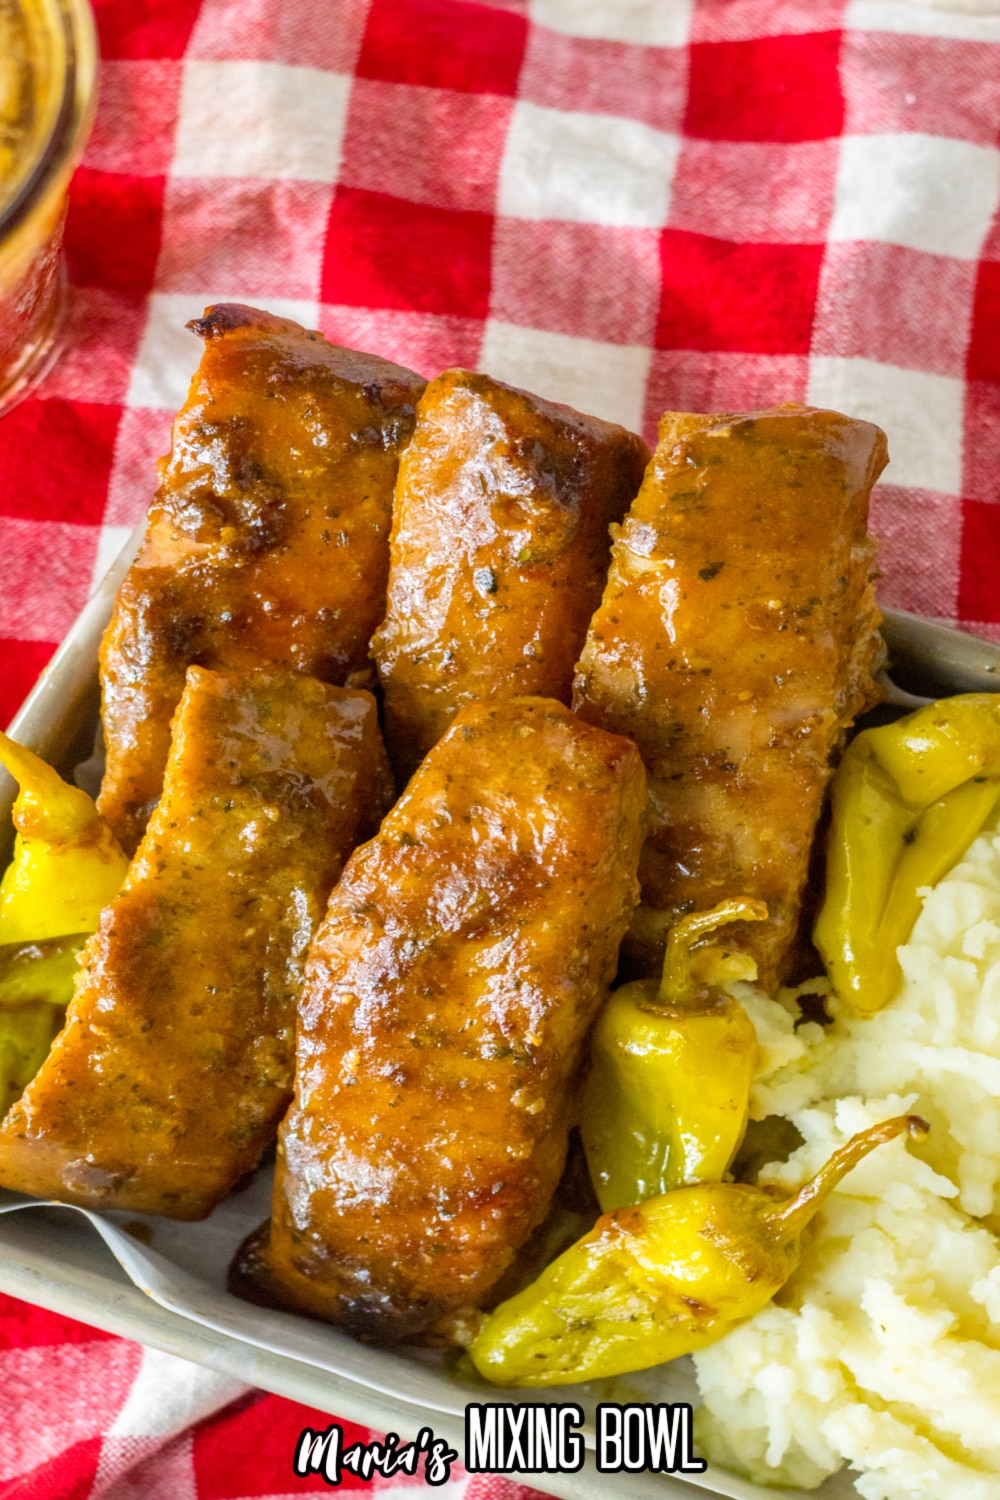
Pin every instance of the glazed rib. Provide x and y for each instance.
(267, 542)
(735, 644)
(449, 990)
(175, 1063)
(499, 552)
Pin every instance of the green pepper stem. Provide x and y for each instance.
(795, 1214)
(677, 986)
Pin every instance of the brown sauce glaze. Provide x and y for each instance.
(175, 1063)
(735, 644)
(499, 552)
(268, 539)
(449, 991)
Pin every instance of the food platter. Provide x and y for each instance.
(175, 1298)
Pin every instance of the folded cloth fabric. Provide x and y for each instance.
(84, 1414)
(624, 204)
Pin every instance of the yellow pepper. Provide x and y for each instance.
(67, 863)
(661, 1279)
(907, 801)
(666, 1098)
(67, 866)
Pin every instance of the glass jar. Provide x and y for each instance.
(47, 65)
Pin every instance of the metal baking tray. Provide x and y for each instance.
(167, 1287)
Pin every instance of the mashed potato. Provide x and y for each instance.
(883, 1351)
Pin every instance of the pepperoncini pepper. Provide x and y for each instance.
(661, 1279)
(39, 971)
(672, 1061)
(26, 1035)
(67, 865)
(907, 801)
(36, 982)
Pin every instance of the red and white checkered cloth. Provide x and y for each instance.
(623, 204)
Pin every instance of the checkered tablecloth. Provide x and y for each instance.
(623, 204)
